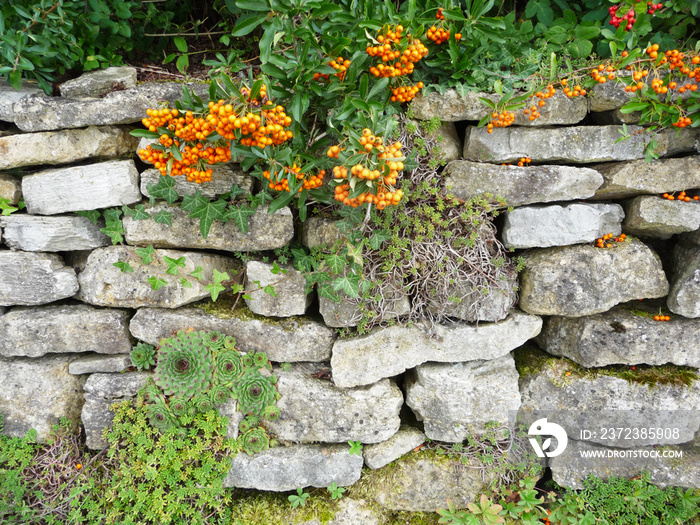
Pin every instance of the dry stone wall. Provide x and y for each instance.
(68, 316)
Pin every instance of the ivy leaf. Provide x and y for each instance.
(378, 238)
(139, 212)
(326, 290)
(276, 269)
(235, 191)
(349, 284)
(93, 215)
(174, 264)
(239, 215)
(6, 207)
(207, 212)
(164, 217)
(355, 252)
(112, 215)
(164, 189)
(124, 266)
(216, 287)
(156, 282)
(146, 254)
(335, 262)
(114, 229)
(302, 261)
(270, 290)
(185, 283)
(198, 273)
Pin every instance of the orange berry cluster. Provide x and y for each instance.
(279, 182)
(603, 73)
(397, 60)
(662, 318)
(405, 93)
(439, 15)
(439, 35)
(577, 91)
(340, 64)
(384, 169)
(682, 196)
(500, 120)
(637, 84)
(524, 161)
(606, 240)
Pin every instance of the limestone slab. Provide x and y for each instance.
(291, 339)
(96, 363)
(315, 410)
(400, 444)
(387, 352)
(581, 280)
(9, 96)
(103, 284)
(545, 226)
(99, 83)
(684, 295)
(77, 188)
(33, 233)
(455, 400)
(289, 285)
(63, 147)
(28, 279)
(317, 231)
(35, 331)
(36, 393)
(10, 188)
(265, 231)
(659, 218)
(521, 185)
(224, 176)
(281, 469)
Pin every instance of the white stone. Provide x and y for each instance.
(33, 233)
(289, 286)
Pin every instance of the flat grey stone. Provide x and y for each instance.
(8, 98)
(281, 469)
(317, 231)
(285, 340)
(103, 284)
(265, 231)
(289, 287)
(63, 147)
(89, 187)
(571, 467)
(10, 188)
(35, 331)
(37, 393)
(581, 280)
(91, 364)
(457, 400)
(315, 410)
(29, 279)
(609, 96)
(639, 177)
(115, 386)
(387, 352)
(660, 218)
(521, 185)
(400, 444)
(684, 296)
(620, 336)
(224, 176)
(33, 233)
(99, 83)
(545, 226)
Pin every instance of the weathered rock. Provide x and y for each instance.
(8, 98)
(598, 402)
(471, 303)
(224, 176)
(285, 340)
(29, 279)
(99, 83)
(684, 296)
(62, 147)
(347, 312)
(615, 117)
(457, 400)
(447, 141)
(521, 185)
(265, 231)
(544, 226)
(582, 459)
(608, 96)
(581, 280)
(42, 113)
(401, 443)
(622, 335)
(90, 187)
(286, 468)
(10, 188)
(387, 352)
(314, 409)
(32, 233)
(350, 511)
(651, 216)
(103, 284)
(580, 144)
(426, 484)
(96, 363)
(35, 331)
(638, 177)
(316, 231)
(36, 393)
(101, 391)
(289, 286)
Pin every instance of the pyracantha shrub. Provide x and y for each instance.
(255, 392)
(143, 356)
(185, 365)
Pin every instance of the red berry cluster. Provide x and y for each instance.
(627, 19)
(651, 7)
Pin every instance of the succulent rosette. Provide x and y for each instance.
(254, 440)
(228, 366)
(271, 413)
(247, 423)
(213, 340)
(260, 360)
(229, 342)
(178, 406)
(143, 356)
(150, 393)
(185, 366)
(160, 417)
(203, 403)
(254, 392)
(219, 394)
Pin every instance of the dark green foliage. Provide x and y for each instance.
(254, 392)
(143, 356)
(185, 365)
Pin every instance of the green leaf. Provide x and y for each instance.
(488, 103)
(185, 283)
(335, 262)
(216, 287)
(144, 134)
(252, 5)
(146, 254)
(183, 62)
(580, 48)
(163, 217)
(114, 230)
(325, 10)
(164, 189)
(269, 290)
(355, 252)
(156, 282)
(631, 107)
(7, 208)
(355, 448)
(174, 264)
(207, 212)
(139, 212)
(247, 24)
(198, 273)
(276, 269)
(349, 284)
(587, 32)
(239, 215)
(180, 43)
(124, 266)
(378, 237)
